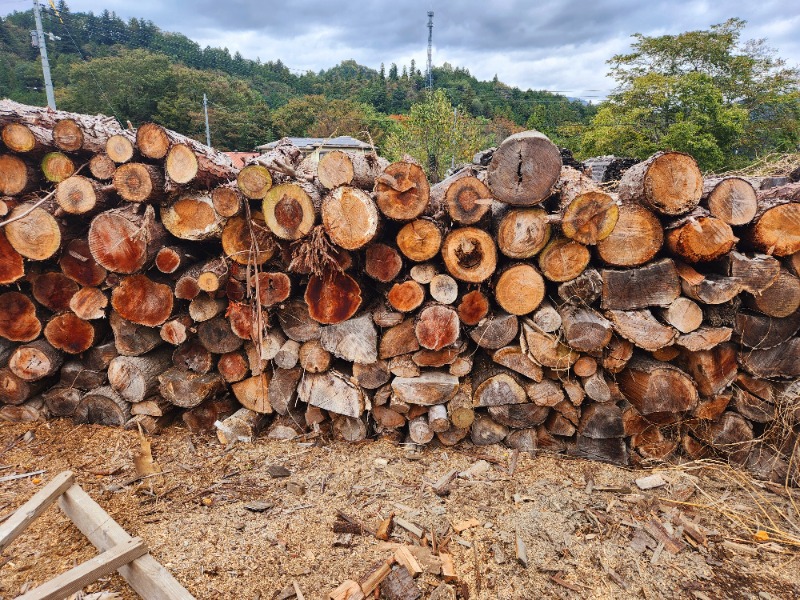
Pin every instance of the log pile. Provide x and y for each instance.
(145, 278)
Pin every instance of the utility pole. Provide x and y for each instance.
(430, 49)
(48, 82)
(453, 137)
(208, 131)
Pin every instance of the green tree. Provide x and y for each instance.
(436, 136)
(704, 92)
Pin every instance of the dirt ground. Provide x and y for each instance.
(588, 530)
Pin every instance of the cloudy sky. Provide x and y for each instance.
(558, 45)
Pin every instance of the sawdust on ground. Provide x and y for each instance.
(584, 524)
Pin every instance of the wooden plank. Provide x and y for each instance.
(145, 574)
(26, 513)
(78, 577)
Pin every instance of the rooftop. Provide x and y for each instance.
(309, 143)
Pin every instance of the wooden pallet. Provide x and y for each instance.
(118, 550)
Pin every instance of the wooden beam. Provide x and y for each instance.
(145, 574)
(26, 513)
(78, 577)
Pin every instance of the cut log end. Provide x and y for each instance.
(469, 254)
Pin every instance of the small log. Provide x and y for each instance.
(524, 440)
(774, 230)
(354, 340)
(588, 214)
(402, 191)
(782, 360)
(187, 161)
(546, 393)
(781, 298)
(254, 181)
(288, 356)
(635, 240)
(135, 378)
(170, 259)
(495, 331)
(188, 389)
(585, 366)
(731, 434)
(282, 389)
(700, 238)
(519, 289)
(204, 308)
(103, 406)
(519, 416)
(473, 308)
(546, 350)
(313, 357)
(731, 199)
(154, 406)
(31, 139)
(406, 296)
(102, 167)
(53, 290)
(657, 387)
(273, 288)
(139, 182)
(668, 182)
(373, 375)
(18, 320)
(586, 288)
(419, 430)
(143, 301)
(469, 254)
(16, 176)
(193, 356)
(524, 169)
(78, 195)
(247, 241)
(655, 284)
(125, 239)
(404, 366)
(332, 298)
(14, 390)
(437, 326)
(683, 314)
(227, 200)
(131, 339)
(443, 289)
(152, 140)
(192, 217)
(459, 407)
(429, 388)
(290, 210)
(521, 233)
(350, 217)
(546, 318)
(296, 322)
(89, 303)
(332, 391)
(513, 357)
(397, 340)
(711, 288)
(62, 401)
(382, 262)
(99, 356)
(350, 168)
(642, 328)
(465, 197)
(78, 264)
(485, 432)
(437, 419)
(120, 148)
(704, 338)
(350, 429)
(253, 393)
(213, 275)
(12, 265)
(35, 234)
(584, 329)
(69, 333)
(423, 273)
(754, 273)
(563, 259)
(761, 331)
(233, 366)
(35, 361)
(56, 167)
(242, 426)
(494, 386)
(217, 336)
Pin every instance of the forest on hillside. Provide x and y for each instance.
(725, 100)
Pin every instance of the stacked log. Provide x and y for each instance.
(514, 302)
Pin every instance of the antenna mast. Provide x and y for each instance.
(430, 49)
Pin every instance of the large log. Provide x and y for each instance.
(33, 231)
(136, 378)
(524, 169)
(139, 182)
(584, 329)
(143, 301)
(760, 331)
(382, 262)
(668, 182)
(469, 254)
(35, 361)
(655, 284)
(350, 217)
(78, 264)
(775, 229)
(18, 320)
(419, 239)
(563, 259)
(131, 339)
(332, 297)
(102, 406)
(754, 273)
(495, 331)
(714, 369)
(657, 387)
(78, 195)
(731, 199)
(546, 349)
(192, 217)
(357, 169)
(253, 393)
(53, 290)
(332, 391)
(187, 161)
(188, 389)
(290, 209)
(462, 196)
(12, 265)
(427, 389)
(16, 176)
(247, 241)
(781, 298)
(521, 233)
(473, 308)
(636, 238)
(406, 296)
(27, 139)
(125, 239)
(588, 214)
(402, 191)
(397, 340)
(700, 237)
(519, 289)
(71, 334)
(354, 340)
(782, 360)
